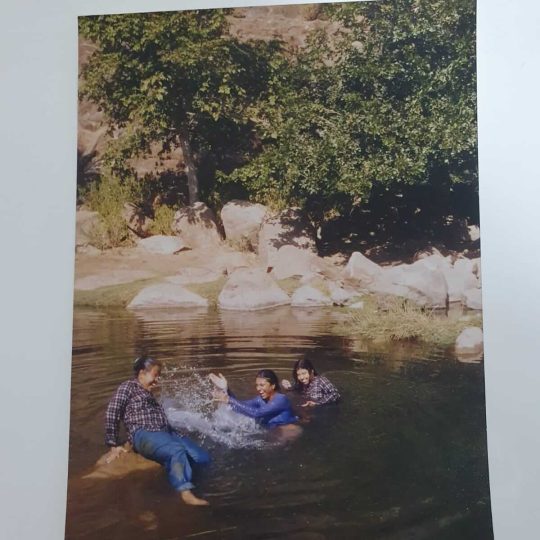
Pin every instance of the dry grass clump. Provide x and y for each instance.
(397, 319)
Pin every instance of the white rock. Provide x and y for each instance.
(361, 268)
(307, 296)
(242, 221)
(164, 245)
(285, 228)
(421, 284)
(165, 295)
(290, 261)
(136, 221)
(249, 289)
(472, 298)
(459, 278)
(474, 232)
(85, 222)
(339, 294)
(196, 225)
(357, 305)
(471, 340)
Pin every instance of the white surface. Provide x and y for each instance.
(38, 66)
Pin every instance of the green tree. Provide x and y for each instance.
(174, 78)
(388, 103)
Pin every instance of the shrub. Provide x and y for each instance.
(107, 196)
(163, 218)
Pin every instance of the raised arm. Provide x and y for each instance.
(114, 413)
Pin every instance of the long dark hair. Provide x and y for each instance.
(303, 363)
(145, 363)
(270, 376)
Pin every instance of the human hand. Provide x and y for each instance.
(309, 404)
(286, 384)
(220, 396)
(219, 381)
(114, 453)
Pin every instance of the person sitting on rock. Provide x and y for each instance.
(270, 408)
(315, 388)
(149, 431)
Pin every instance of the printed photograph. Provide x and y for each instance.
(277, 326)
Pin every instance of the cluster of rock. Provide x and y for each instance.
(284, 244)
(432, 281)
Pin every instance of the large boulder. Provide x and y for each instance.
(127, 463)
(136, 221)
(362, 269)
(161, 244)
(341, 294)
(307, 296)
(470, 341)
(288, 227)
(196, 225)
(249, 289)
(290, 261)
(242, 221)
(472, 298)
(86, 222)
(423, 285)
(167, 295)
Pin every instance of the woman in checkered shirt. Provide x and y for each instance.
(315, 388)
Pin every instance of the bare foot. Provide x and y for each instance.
(189, 498)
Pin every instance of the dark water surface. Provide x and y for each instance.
(403, 456)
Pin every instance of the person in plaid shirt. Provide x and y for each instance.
(315, 388)
(149, 431)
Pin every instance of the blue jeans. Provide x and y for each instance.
(173, 452)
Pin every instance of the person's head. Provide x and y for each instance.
(147, 371)
(303, 371)
(267, 383)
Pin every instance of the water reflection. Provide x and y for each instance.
(403, 456)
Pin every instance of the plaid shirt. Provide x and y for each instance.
(320, 390)
(137, 408)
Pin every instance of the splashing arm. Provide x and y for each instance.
(258, 408)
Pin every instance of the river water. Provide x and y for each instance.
(403, 456)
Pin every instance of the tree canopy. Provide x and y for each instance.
(175, 78)
(389, 103)
(384, 108)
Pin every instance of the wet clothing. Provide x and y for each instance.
(276, 412)
(137, 408)
(150, 433)
(174, 452)
(320, 390)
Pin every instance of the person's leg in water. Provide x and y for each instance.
(194, 451)
(170, 452)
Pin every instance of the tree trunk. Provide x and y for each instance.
(191, 170)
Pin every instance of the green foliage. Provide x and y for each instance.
(175, 78)
(163, 218)
(389, 102)
(107, 197)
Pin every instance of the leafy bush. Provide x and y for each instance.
(163, 218)
(107, 196)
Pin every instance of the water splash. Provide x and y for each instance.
(189, 406)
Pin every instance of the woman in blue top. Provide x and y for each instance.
(270, 408)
